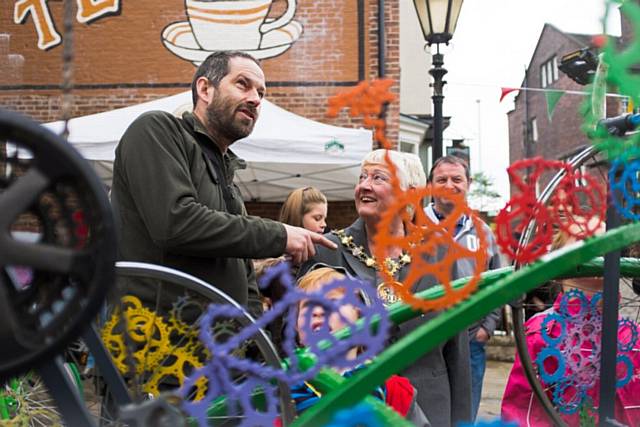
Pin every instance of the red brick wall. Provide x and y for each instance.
(45, 106)
(119, 50)
(340, 214)
(327, 53)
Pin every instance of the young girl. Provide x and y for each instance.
(305, 207)
(520, 404)
(397, 392)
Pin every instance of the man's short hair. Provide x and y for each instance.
(215, 67)
(452, 160)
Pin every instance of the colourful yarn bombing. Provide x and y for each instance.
(574, 330)
(369, 342)
(624, 185)
(223, 360)
(238, 396)
(578, 199)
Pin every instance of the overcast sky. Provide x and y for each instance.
(492, 44)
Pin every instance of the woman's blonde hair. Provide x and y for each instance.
(298, 203)
(561, 238)
(318, 278)
(409, 167)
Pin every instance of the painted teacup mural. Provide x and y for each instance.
(231, 25)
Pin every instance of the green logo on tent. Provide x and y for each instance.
(333, 146)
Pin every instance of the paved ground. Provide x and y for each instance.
(495, 380)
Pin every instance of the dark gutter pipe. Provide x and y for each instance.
(382, 51)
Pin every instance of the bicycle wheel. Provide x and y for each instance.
(151, 331)
(587, 159)
(57, 244)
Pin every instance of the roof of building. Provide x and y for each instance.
(581, 41)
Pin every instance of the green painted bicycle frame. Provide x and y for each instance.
(497, 288)
(7, 401)
(399, 313)
(571, 265)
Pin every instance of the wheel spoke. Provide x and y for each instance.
(40, 256)
(17, 198)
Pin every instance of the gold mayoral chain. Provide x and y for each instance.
(384, 291)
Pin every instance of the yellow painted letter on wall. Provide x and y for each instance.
(90, 10)
(48, 37)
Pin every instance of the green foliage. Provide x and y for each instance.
(482, 188)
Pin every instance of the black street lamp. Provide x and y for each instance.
(438, 20)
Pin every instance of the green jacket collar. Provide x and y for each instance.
(195, 126)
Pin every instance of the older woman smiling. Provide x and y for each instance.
(441, 377)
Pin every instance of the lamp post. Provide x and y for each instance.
(438, 20)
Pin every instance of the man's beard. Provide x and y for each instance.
(222, 121)
(445, 205)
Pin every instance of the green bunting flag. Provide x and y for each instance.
(552, 96)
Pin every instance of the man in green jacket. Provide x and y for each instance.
(173, 190)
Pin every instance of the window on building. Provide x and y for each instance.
(425, 154)
(408, 147)
(549, 72)
(533, 128)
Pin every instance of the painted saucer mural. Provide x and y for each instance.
(179, 39)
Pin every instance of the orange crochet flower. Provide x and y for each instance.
(366, 100)
(431, 246)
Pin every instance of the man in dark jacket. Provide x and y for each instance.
(173, 187)
(453, 173)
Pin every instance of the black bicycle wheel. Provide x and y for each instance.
(57, 244)
(590, 160)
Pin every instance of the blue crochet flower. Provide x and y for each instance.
(569, 299)
(545, 330)
(625, 187)
(624, 359)
(361, 415)
(633, 329)
(595, 300)
(568, 400)
(551, 377)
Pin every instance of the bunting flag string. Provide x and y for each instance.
(505, 90)
(552, 97)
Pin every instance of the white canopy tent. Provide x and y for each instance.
(284, 152)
